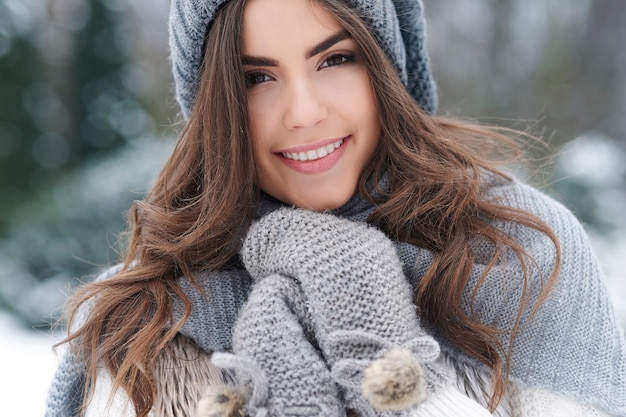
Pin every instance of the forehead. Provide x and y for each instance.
(284, 24)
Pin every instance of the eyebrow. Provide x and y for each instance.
(327, 43)
(259, 61)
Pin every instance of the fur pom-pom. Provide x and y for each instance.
(221, 401)
(394, 382)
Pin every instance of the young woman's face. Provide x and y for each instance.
(312, 110)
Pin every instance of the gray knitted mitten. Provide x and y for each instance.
(339, 284)
(360, 305)
(279, 372)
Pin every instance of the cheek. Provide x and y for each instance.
(354, 94)
(260, 129)
(366, 97)
(262, 112)
(261, 155)
(255, 119)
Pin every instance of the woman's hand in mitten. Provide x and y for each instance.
(279, 372)
(359, 302)
(347, 270)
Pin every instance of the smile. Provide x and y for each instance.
(314, 154)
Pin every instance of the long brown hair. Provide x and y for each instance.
(204, 198)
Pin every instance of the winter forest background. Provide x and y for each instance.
(87, 118)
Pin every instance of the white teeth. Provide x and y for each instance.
(313, 154)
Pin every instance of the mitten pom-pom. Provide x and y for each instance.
(394, 382)
(221, 401)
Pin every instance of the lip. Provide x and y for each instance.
(316, 166)
(306, 148)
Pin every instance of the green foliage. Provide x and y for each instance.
(20, 72)
(54, 118)
(100, 101)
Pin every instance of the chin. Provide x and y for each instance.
(319, 207)
(324, 203)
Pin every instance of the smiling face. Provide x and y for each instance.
(312, 110)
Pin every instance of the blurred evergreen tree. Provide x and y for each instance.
(20, 74)
(100, 101)
(48, 130)
(61, 114)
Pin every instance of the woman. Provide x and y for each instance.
(328, 106)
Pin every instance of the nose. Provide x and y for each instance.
(304, 107)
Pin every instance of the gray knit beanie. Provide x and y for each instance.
(398, 26)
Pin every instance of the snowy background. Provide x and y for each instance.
(86, 120)
(27, 364)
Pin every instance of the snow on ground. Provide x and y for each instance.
(27, 363)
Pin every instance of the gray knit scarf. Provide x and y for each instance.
(572, 346)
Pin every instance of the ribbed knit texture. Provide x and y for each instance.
(398, 25)
(226, 292)
(450, 403)
(574, 345)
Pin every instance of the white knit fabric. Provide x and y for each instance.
(536, 402)
(102, 405)
(451, 403)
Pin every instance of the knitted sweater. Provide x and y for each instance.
(573, 346)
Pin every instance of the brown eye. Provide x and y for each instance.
(337, 59)
(254, 78)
